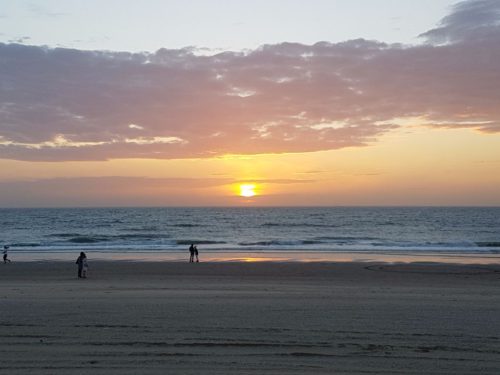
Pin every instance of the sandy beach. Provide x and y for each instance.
(249, 318)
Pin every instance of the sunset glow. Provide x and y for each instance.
(400, 117)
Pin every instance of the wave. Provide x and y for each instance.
(336, 243)
(389, 223)
(28, 244)
(142, 229)
(345, 238)
(89, 244)
(199, 242)
(141, 236)
(185, 225)
(488, 244)
(88, 239)
(63, 235)
(281, 243)
(80, 238)
(305, 225)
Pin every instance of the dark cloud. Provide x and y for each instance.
(469, 21)
(63, 104)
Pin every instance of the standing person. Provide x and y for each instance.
(79, 261)
(196, 253)
(191, 253)
(85, 267)
(5, 251)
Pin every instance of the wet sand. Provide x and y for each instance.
(249, 318)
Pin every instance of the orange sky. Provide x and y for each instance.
(407, 167)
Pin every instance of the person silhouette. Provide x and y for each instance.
(5, 254)
(191, 253)
(196, 253)
(80, 261)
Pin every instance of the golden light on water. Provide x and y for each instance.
(247, 190)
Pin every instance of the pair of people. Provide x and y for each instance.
(193, 252)
(83, 266)
(5, 251)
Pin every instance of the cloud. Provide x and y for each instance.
(311, 172)
(277, 181)
(119, 191)
(469, 21)
(112, 191)
(61, 104)
(90, 183)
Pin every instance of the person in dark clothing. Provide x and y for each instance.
(5, 251)
(196, 253)
(80, 262)
(191, 253)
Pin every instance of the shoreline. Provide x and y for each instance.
(295, 256)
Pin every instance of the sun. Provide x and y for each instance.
(247, 190)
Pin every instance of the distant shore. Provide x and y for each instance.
(239, 317)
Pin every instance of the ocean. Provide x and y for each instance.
(407, 230)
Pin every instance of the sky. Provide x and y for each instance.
(162, 103)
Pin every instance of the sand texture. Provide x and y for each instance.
(249, 318)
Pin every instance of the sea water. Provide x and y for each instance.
(408, 230)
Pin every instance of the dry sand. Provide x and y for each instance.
(249, 318)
